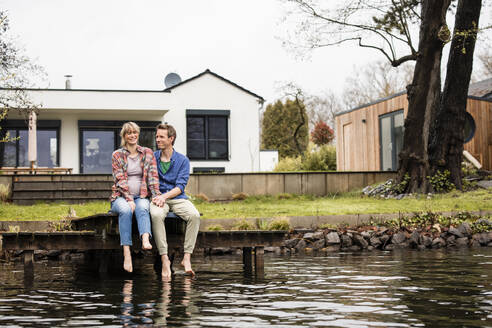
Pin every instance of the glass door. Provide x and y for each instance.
(97, 149)
(391, 128)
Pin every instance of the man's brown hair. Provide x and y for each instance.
(171, 132)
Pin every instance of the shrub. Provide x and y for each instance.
(440, 181)
(262, 224)
(322, 134)
(285, 196)
(4, 192)
(201, 197)
(243, 225)
(215, 227)
(279, 224)
(240, 196)
(288, 164)
(327, 226)
(14, 228)
(323, 158)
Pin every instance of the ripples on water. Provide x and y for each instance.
(378, 289)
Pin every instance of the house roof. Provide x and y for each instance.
(207, 71)
(86, 90)
(481, 90)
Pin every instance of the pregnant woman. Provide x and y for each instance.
(135, 180)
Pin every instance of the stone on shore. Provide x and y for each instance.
(455, 232)
(291, 243)
(332, 238)
(301, 245)
(318, 244)
(462, 242)
(360, 241)
(465, 229)
(414, 238)
(426, 241)
(318, 235)
(438, 243)
(398, 238)
(346, 241)
(375, 242)
(384, 239)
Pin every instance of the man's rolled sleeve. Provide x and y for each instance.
(183, 176)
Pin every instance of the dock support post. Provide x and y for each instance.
(28, 258)
(28, 268)
(247, 260)
(259, 261)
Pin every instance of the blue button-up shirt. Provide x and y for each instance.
(176, 176)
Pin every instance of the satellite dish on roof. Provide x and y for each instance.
(172, 79)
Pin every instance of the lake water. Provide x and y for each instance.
(445, 288)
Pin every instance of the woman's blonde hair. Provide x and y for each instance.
(127, 127)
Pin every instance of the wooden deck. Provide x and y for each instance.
(100, 233)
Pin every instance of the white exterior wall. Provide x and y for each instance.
(211, 93)
(206, 92)
(268, 160)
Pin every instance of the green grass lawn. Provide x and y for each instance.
(279, 206)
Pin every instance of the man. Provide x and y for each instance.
(174, 171)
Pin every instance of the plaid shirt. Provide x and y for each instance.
(150, 178)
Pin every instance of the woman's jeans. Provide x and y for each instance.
(121, 206)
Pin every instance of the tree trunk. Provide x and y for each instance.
(447, 133)
(423, 95)
(300, 107)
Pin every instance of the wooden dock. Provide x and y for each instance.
(100, 232)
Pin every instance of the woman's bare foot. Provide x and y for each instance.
(186, 263)
(127, 259)
(166, 268)
(146, 245)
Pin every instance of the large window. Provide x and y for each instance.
(14, 153)
(207, 135)
(98, 140)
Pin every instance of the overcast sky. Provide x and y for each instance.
(129, 44)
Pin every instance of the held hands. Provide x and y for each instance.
(159, 200)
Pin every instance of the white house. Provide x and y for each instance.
(217, 123)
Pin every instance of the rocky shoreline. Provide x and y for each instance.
(384, 238)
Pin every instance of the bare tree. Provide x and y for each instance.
(17, 72)
(486, 61)
(374, 81)
(388, 27)
(322, 107)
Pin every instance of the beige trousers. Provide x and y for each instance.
(185, 210)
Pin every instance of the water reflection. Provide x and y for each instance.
(448, 288)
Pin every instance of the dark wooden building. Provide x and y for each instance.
(370, 137)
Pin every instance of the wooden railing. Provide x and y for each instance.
(36, 170)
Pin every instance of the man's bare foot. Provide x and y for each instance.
(146, 245)
(186, 263)
(166, 268)
(127, 259)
